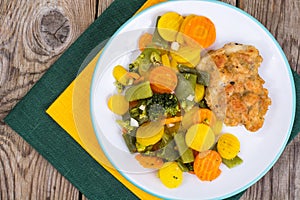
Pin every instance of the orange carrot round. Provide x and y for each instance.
(206, 165)
(206, 116)
(163, 79)
(145, 40)
(201, 29)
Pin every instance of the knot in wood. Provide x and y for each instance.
(54, 29)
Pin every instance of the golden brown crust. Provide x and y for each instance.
(247, 100)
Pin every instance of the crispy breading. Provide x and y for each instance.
(247, 101)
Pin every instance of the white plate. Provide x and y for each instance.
(259, 150)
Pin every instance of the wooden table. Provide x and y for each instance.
(34, 33)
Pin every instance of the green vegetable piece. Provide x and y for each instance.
(158, 40)
(233, 162)
(203, 104)
(192, 78)
(145, 60)
(125, 124)
(202, 76)
(156, 112)
(166, 149)
(185, 152)
(140, 115)
(168, 152)
(140, 148)
(182, 166)
(140, 91)
(130, 142)
(185, 167)
(184, 88)
(167, 102)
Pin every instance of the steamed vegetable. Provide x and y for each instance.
(168, 25)
(228, 146)
(149, 133)
(149, 161)
(163, 80)
(185, 87)
(140, 91)
(168, 102)
(180, 36)
(199, 92)
(200, 137)
(187, 55)
(203, 77)
(165, 60)
(206, 165)
(200, 29)
(165, 118)
(130, 141)
(170, 175)
(186, 154)
(148, 58)
(139, 113)
(232, 162)
(205, 116)
(157, 40)
(118, 104)
(172, 120)
(119, 73)
(145, 40)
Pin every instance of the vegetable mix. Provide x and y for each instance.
(165, 120)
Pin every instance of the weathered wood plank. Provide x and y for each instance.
(282, 181)
(102, 5)
(281, 17)
(33, 34)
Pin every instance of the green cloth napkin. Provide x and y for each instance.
(30, 120)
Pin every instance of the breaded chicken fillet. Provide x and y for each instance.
(247, 101)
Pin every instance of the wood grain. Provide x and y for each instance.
(281, 18)
(33, 34)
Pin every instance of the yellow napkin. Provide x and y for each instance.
(71, 111)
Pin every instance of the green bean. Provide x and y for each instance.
(185, 152)
(203, 77)
(130, 142)
(233, 162)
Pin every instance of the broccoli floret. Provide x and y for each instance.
(168, 102)
(156, 107)
(155, 112)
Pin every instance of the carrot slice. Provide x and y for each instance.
(145, 40)
(149, 162)
(173, 120)
(206, 116)
(201, 29)
(163, 79)
(180, 36)
(206, 165)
